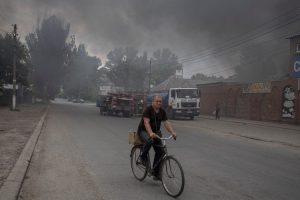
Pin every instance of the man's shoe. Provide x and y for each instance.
(156, 178)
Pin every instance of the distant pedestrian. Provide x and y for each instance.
(217, 112)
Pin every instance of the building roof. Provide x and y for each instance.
(293, 36)
(177, 82)
(236, 81)
(174, 82)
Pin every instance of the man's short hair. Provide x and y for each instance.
(156, 96)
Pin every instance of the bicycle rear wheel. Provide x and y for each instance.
(138, 169)
(172, 176)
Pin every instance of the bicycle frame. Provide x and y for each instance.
(168, 175)
(164, 146)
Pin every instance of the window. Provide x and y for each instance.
(298, 48)
(183, 93)
(173, 93)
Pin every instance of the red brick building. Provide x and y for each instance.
(270, 101)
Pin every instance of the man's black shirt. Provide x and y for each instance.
(155, 119)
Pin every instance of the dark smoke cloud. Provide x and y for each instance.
(184, 26)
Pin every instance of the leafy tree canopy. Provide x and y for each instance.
(49, 52)
(204, 77)
(23, 65)
(81, 79)
(126, 68)
(165, 63)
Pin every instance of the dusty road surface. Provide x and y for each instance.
(82, 155)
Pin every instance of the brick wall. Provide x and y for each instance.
(254, 106)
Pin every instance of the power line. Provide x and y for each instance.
(233, 50)
(199, 58)
(228, 53)
(282, 51)
(253, 61)
(252, 30)
(215, 52)
(244, 38)
(245, 33)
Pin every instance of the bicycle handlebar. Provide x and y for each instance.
(167, 138)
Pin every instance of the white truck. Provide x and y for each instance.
(179, 102)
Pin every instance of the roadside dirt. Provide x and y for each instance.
(15, 129)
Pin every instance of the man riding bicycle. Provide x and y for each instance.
(149, 127)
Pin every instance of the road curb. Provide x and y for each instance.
(12, 185)
(286, 126)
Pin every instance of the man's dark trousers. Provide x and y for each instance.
(157, 146)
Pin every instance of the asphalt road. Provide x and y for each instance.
(82, 155)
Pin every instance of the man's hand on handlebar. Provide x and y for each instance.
(174, 135)
(152, 135)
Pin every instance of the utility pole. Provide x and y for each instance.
(14, 67)
(149, 89)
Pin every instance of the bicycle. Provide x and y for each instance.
(171, 172)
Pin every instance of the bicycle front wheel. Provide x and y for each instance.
(172, 176)
(138, 169)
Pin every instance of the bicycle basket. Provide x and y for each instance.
(134, 138)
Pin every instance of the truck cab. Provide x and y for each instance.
(183, 102)
(179, 102)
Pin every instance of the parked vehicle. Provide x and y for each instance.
(78, 100)
(117, 104)
(179, 102)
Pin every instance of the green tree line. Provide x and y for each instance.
(6, 60)
(50, 62)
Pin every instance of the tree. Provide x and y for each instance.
(6, 60)
(127, 69)
(203, 77)
(49, 53)
(81, 79)
(164, 64)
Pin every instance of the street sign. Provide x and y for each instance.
(296, 67)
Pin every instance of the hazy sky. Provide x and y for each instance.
(185, 26)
